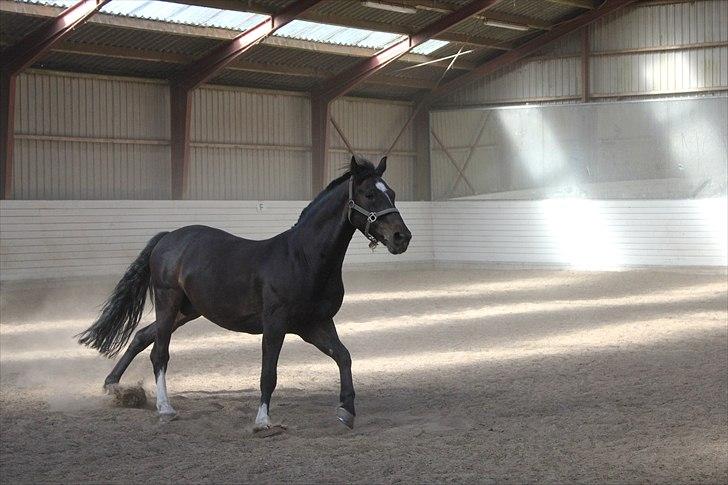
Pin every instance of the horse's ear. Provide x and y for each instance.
(355, 167)
(382, 166)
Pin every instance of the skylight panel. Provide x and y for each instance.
(52, 3)
(183, 14)
(429, 46)
(231, 19)
(335, 34)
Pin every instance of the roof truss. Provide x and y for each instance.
(215, 33)
(528, 48)
(341, 83)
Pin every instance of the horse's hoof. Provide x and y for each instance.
(345, 417)
(165, 418)
(110, 387)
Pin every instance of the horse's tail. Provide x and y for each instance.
(123, 309)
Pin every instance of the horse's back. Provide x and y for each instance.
(192, 249)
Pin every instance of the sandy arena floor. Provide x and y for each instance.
(461, 376)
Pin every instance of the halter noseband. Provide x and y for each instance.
(371, 216)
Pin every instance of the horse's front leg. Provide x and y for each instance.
(324, 337)
(273, 336)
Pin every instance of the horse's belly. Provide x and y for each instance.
(250, 324)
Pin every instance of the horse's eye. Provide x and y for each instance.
(369, 195)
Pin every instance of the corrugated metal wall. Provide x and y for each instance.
(371, 126)
(250, 145)
(564, 159)
(82, 137)
(692, 35)
(96, 137)
(646, 149)
(679, 24)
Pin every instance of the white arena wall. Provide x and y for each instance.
(55, 239)
(582, 234)
(59, 239)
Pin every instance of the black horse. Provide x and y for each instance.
(290, 283)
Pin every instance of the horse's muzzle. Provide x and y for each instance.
(399, 241)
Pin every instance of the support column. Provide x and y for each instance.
(422, 168)
(7, 123)
(180, 110)
(585, 64)
(320, 113)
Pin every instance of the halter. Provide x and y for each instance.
(371, 216)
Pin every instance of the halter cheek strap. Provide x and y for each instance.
(371, 216)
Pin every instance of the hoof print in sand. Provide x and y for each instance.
(273, 430)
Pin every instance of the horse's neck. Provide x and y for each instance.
(325, 233)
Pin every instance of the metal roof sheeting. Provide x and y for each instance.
(335, 34)
(184, 14)
(96, 34)
(189, 32)
(236, 20)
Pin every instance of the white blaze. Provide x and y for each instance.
(380, 185)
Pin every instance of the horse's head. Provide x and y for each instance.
(371, 206)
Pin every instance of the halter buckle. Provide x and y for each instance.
(372, 217)
(351, 203)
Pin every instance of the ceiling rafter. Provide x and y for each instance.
(327, 18)
(237, 65)
(527, 48)
(215, 33)
(204, 68)
(447, 7)
(339, 84)
(32, 46)
(586, 4)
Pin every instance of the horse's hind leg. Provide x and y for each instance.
(168, 303)
(142, 339)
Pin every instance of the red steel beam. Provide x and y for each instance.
(585, 65)
(20, 56)
(344, 82)
(38, 42)
(203, 69)
(320, 114)
(7, 133)
(180, 103)
(567, 27)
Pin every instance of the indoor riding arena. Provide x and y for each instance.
(346, 241)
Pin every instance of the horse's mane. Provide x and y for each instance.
(366, 169)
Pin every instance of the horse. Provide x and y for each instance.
(290, 283)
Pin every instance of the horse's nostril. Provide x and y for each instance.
(402, 237)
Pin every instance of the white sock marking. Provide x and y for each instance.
(262, 420)
(163, 405)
